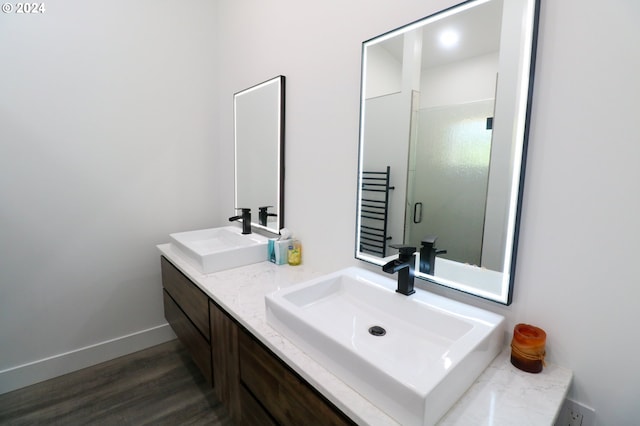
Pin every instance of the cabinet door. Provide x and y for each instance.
(193, 301)
(287, 397)
(197, 346)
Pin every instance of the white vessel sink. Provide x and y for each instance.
(217, 249)
(433, 349)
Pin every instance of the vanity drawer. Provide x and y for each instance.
(197, 346)
(287, 397)
(252, 412)
(193, 301)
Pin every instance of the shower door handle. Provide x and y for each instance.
(417, 213)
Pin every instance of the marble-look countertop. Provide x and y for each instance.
(501, 395)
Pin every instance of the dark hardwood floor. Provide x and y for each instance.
(158, 386)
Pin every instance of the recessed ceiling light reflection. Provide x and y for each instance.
(449, 38)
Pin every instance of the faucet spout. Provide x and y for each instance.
(394, 266)
(404, 265)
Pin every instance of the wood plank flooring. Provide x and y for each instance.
(159, 386)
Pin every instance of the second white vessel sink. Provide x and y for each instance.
(217, 249)
(412, 356)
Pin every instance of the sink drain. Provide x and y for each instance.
(376, 330)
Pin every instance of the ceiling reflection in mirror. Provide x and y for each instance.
(259, 153)
(443, 132)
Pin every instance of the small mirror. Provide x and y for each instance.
(443, 134)
(259, 152)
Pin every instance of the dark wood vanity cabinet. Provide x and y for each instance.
(288, 398)
(186, 309)
(253, 383)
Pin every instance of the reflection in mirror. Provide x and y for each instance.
(259, 152)
(444, 111)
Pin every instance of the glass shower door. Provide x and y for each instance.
(448, 177)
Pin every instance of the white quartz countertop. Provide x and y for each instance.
(502, 395)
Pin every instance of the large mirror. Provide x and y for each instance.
(259, 152)
(443, 134)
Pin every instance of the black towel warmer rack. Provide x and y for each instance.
(374, 212)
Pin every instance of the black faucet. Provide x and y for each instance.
(428, 253)
(404, 265)
(263, 215)
(246, 220)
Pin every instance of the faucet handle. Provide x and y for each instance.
(244, 209)
(429, 241)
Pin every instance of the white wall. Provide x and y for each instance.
(580, 228)
(107, 144)
(576, 276)
(384, 72)
(471, 80)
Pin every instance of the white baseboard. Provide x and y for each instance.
(27, 374)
